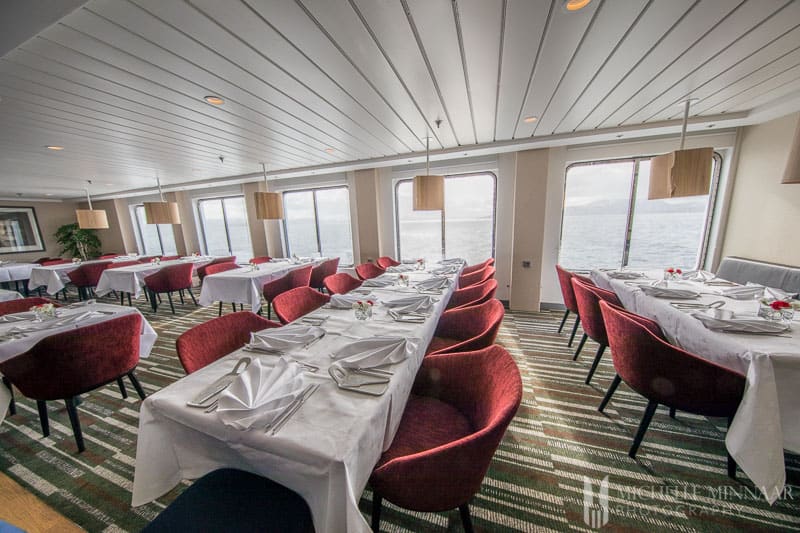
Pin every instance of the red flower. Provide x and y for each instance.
(360, 302)
(678, 271)
(671, 270)
(370, 302)
(779, 304)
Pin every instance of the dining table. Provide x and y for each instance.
(19, 332)
(130, 279)
(54, 277)
(768, 418)
(244, 285)
(326, 448)
(16, 272)
(6, 296)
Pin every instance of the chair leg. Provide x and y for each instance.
(136, 385)
(220, 309)
(580, 346)
(72, 411)
(563, 320)
(269, 310)
(731, 461)
(171, 305)
(189, 290)
(12, 406)
(180, 293)
(153, 301)
(610, 392)
(672, 412)
(376, 512)
(122, 388)
(596, 361)
(652, 405)
(121, 298)
(233, 305)
(466, 521)
(574, 330)
(129, 300)
(41, 405)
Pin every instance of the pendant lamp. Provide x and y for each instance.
(91, 218)
(269, 205)
(162, 212)
(428, 190)
(682, 172)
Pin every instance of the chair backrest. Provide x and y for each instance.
(322, 271)
(294, 303)
(205, 343)
(479, 276)
(220, 267)
(667, 374)
(486, 387)
(23, 304)
(170, 257)
(147, 258)
(261, 259)
(76, 361)
(43, 260)
(368, 271)
(201, 272)
(52, 262)
(170, 278)
(299, 277)
(93, 271)
(475, 327)
(108, 256)
(341, 283)
(479, 266)
(473, 295)
(588, 298)
(385, 262)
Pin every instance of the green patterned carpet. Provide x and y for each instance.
(535, 483)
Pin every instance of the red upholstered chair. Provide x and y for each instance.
(479, 276)
(65, 365)
(85, 277)
(170, 257)
(666, 374)
(473, 295)
(455, 418)
(471, 328)
(322, 271)
(385, 262)
(209, 341)
(588, 298)
(217, 268)
(108, 256)
(122, 264)
(565, 280)
(170, 279)
(368, 271)
(260, 260)
(341, 283)
(43, 260)
(480, 266)
(147, 258)
(56, 261)
(201, 272)
(299, 277)
(292, 304)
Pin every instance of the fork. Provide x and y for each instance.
(291, 409)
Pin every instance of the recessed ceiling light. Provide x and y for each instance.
(214, 100)
(528, 120)
(575, 5)
(330, 150)
(55, 148)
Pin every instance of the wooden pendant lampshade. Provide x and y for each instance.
(91, 218)
(792, 172)
(428, 191)
(269, 205)
(162, 212)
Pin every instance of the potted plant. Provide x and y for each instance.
(78, 242)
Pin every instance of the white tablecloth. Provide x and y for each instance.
(130, 279)
(326, 451)
(768, 419)
(6, 296)
(16, 271)
(243, 286)
(53, 277)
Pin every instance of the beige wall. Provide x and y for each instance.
(50, 216)
(366, 223)
(764, 214)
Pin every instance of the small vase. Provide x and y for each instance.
(363, 313)
(767, 312)
(402, 281)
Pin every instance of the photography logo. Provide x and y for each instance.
(595, 515)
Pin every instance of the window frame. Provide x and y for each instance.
(200, 218)
(711, 206)
(313, 191)
(139, 234)
(442, 212)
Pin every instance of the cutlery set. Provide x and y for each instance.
(291, 409)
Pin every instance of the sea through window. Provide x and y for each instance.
(153, 239)
(224, 229)
(317, 223)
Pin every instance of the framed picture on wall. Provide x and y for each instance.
(19, 230)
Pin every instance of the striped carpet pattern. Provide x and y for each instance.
(537, 481)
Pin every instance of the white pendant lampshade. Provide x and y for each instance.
(428, 191)
(162, 212)
(269, 205)
(91, 218)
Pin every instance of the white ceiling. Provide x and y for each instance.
(120, 83)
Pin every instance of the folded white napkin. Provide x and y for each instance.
(371, 352)
(698, 275)
(746, 292)
(377, 282)
(624, 274)
(434, 283)
(452, 261)
(666, 292)
(742, 325)
(411, 304)
(285, 338)
(18, 317)
(400, 268)
(777, 294)
(445, 270)
(74, 319)
(260, 394)
(346, 301)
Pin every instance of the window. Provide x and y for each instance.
(465, 229)
(224, 229)
(609, 222)
(317, 222)
(153, 239)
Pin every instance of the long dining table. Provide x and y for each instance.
(54, 277)
(327, 449)
(768, 418)
(130, 279)
(16, 272)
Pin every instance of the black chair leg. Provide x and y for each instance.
(610, 392)
(269, 310)
(136, 385)
(41, 405)
(596, 361)
(466, 521)
(129, 300)
(171, 305)
(731, 461)
(121, 298)
(376, 512)
(233, 305)
(563, 320)
(72, 411)
(574, 330)
(672, 412)
(153, 301)
(652, 405)
(220, 309)
(12, 406)
(122, 388)
(580, 346)
(180, 293)
(189, 290)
